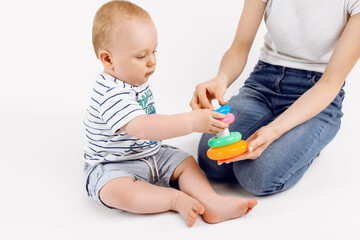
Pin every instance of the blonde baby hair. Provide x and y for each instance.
(109, 16)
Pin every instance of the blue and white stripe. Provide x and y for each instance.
(113, 104)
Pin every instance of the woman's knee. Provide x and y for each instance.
(255, 186)
(257, 179)
(262, 180)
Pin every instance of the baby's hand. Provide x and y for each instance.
(204, 121)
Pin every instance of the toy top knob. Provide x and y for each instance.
(215, 103)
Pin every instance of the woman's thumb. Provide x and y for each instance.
(221, 99)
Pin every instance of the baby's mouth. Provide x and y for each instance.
(148, 74)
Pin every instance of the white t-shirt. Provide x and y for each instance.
(303, 33)
(113, 104)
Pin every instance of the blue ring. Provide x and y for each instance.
(225, 109)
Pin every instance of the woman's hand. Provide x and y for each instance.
(207, 91)
(257, 143)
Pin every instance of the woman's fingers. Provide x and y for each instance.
(207, 91)
(194, 103)
(222, 101)
(255, 148)
(242, 157)
(256, 143)
(202, 97)
(246, 156)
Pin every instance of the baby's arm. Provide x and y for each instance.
(159, 127)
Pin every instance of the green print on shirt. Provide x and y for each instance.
(144, 100)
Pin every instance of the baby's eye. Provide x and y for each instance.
(140, 57)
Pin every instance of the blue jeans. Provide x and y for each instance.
(267, 93)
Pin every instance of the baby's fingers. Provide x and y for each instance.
(219, 124)
(214, 129)
(217, 115)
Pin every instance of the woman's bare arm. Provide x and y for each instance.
(234, 60)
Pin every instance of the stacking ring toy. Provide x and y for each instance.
(229, 151)
(216, 142)
(225, 145)
(225, 109)
(228, 119)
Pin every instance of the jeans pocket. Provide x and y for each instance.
(258, 67)
(313, 80)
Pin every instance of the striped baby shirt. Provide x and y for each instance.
(113, 104)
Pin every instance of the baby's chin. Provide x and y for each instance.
(140, 82)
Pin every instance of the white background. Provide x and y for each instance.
(47, 69)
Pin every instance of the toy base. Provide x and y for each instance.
(227, 152)
(229, 159)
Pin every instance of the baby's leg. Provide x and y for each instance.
(217, 208)
(141, 197)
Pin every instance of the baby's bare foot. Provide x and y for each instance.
(224, 208)
(188, 207)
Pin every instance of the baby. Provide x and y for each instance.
(126, 165)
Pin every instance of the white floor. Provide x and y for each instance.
(43, 192)
(47, 69)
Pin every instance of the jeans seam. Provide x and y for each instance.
(258, 124)
(278, 80)
(278, 91)
(282, 179)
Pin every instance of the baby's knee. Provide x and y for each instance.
(115, 193)
(188, 164)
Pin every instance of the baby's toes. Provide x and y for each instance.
(199, 208)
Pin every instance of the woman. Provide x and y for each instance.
(289, 108)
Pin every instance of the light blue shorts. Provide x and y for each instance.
(156, 169)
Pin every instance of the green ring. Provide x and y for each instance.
(216, 142)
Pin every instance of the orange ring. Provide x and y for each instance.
(229, 151)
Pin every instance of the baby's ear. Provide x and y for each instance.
(105, 58)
